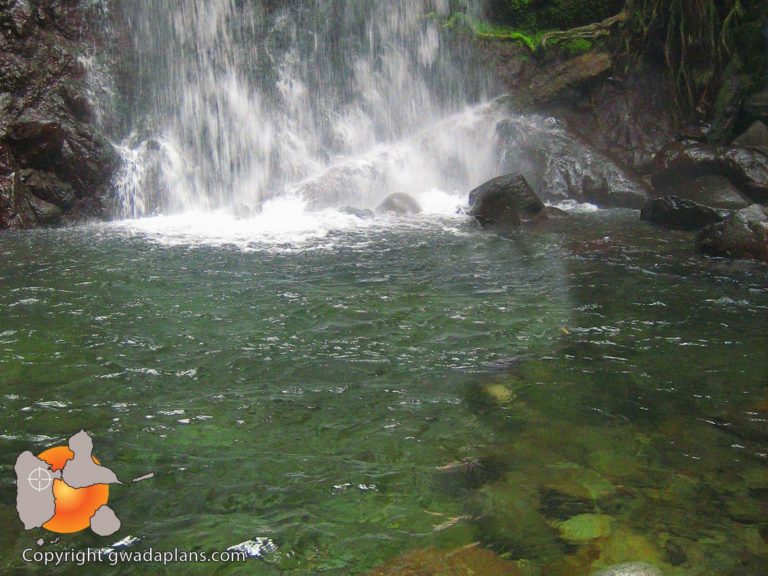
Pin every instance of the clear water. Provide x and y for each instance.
(313, 391)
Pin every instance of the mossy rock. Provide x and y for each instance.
(499, 393)
(624, 545)
(470, 560)
(509, 519)
(585, 527)
(573, 480)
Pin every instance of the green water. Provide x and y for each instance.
(352, 398)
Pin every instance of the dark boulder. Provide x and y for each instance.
(756, 106)
(362, 213)
(44, 213)
(680, 214)
(504, 201)
(37, 140)
(746, 168)
(560, 166)
(399, 203)
(756, 136)
(743, 234)
(45, 186)
(87, 159)
(713, 191)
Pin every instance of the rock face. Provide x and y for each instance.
(757, 105)
(560, 166)
(505, 201)
(756, 136)
(54, 163)
(746, 168)
(550, 85)
(743, 234)
(399, 203)
(678, 213)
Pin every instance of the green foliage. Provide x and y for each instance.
(577, 46)
(488, 31)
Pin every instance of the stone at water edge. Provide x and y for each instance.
(45, 186)
(630, 569)
(743, 235)
(680, 162)
(756, 136)
(713, 191)
(504, 201)
(399, 203)
(362, 213)
(678, 213)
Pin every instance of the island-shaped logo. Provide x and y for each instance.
(65, 489)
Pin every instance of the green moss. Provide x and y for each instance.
(578, 46)
(489, 31)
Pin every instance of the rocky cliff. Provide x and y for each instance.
(55, 165)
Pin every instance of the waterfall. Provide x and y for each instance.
(233, 102)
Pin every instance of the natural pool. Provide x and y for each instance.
(568, 398)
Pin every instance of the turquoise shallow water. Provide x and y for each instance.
(354, 397)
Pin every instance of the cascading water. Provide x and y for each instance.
(338, 102)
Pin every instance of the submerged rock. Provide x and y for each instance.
(678, 213)
(504, 201)
(630, 569)
(743, 234)
(585, 527)
(399, 203)
(460, 562)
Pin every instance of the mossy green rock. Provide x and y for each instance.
(585, 527)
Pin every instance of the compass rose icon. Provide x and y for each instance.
(40, 479)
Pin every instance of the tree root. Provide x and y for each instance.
(589, 32)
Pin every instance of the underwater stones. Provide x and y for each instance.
(471, 473)
(499, 393)
(460, 562)
(504, 201)
(630, 569)
(572, 480)
(678, 213)
(743, 235)
(585, 527)
(399, 203)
